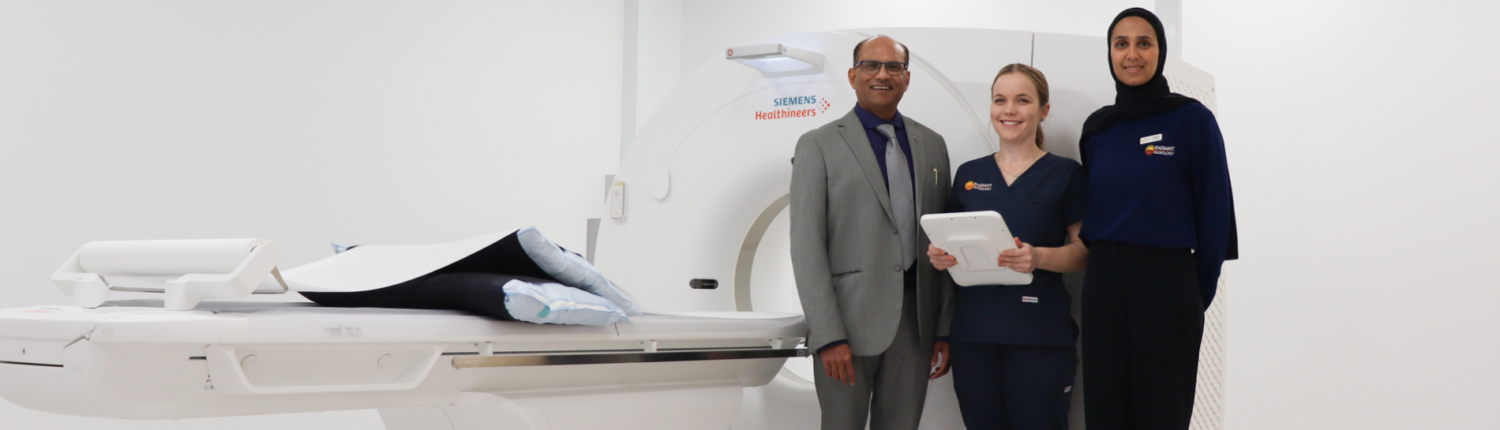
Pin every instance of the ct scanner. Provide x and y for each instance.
(694, 230)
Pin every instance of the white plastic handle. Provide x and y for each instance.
(974, 253)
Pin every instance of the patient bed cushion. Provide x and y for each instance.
(550, 303)
(505, 256)
(566, 267)
(477, 293)
(505, 297)
(526, 252)
(477, 283)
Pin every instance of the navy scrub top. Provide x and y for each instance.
(1038, 208)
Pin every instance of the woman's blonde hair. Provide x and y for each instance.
(1037, 79)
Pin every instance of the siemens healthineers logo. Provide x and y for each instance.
(794, 107)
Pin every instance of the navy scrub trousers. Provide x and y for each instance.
(1142, 325)
(1006, 387)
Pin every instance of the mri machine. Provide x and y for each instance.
(694, 229)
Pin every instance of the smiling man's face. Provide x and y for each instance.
(881, 91)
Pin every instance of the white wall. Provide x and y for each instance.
(661, 49)
(300, 122)
(1363, 176)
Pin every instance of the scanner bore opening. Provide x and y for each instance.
(763, 280)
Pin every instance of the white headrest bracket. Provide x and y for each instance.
(89, 290)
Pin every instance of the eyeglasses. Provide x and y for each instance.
(868, 67)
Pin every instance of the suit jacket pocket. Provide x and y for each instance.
(843, 279)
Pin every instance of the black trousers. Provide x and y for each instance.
(1142, 325)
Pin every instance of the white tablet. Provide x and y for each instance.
(976, 240)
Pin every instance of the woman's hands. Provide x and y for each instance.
(1022, 259)
(1071, 257)
(939, 258)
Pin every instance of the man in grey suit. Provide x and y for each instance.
(877, 311)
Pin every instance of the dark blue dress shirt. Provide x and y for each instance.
(878, 141)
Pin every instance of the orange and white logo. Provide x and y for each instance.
(1160, 150)
(969, 186)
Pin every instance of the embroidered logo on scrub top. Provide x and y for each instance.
(971, 185)
(1160, 150)
(1151, 138)
(1028, 299)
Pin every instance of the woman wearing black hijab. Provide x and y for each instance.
(1159, 225)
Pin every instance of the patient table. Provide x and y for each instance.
(133, 359)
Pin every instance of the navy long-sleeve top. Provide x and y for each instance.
(1162, 181)
(1038, 208)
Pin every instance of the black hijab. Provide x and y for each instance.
(1141, 101)
(1150, 98)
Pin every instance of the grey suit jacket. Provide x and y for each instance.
(846, 253)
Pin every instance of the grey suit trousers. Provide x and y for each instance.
(897, 378)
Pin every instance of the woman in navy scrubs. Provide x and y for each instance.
(1159, 226)
(1012, 345)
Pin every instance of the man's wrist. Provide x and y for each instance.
(832, 344)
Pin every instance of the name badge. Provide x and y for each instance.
(1151, 138)
(1028, 299)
